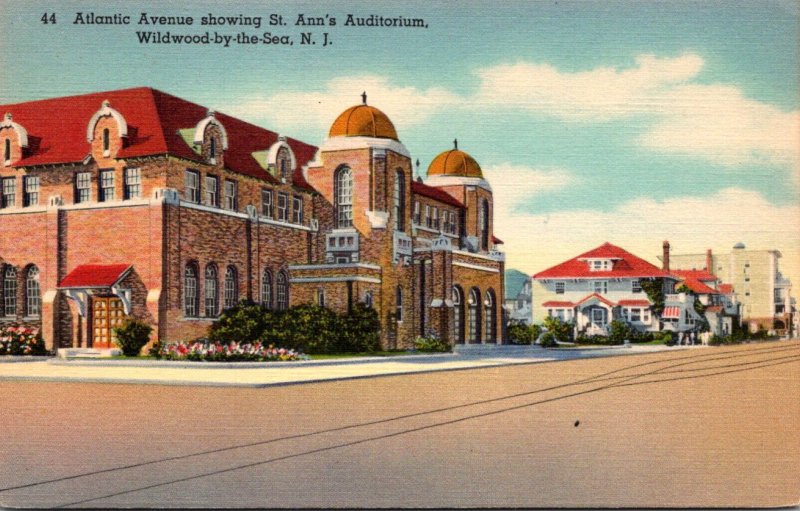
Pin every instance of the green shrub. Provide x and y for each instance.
(619, 331)
(560, 330)
(306, 327)
(431, 344)
(359, 331)
(246, 322)
(132, 336)
(520, 333)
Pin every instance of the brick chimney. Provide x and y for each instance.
(665, 258)
(709, 262)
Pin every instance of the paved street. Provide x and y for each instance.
(712, 427)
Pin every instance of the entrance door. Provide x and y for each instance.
(107, 313)
(598, 318)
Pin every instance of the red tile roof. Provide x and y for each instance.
(626, 265)
(635, 303)
(695, 280)
(726, 289)
(57, 130)
(434, 193)
(702, 275)
(698, 287)
(556, 303)
(94, 275)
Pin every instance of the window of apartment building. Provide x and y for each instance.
(30, 195)
(297, 209)
(192, 186)
(453, 224)
(133, 183)
(83, 187)
(282, 291)
(9, 199)
(435, 219)
(230, 199)
(10, 291)
(231, 287)
(344, 198)
(211, 192)
(400, 200)
(599, 286)
(636, 286)
(266, 203)
(106, 192)
(560, 287)
(416, 212)
(283, 207)
(398, 301)
(211, 290)
(190, 303)
(33, 295)
(428, 221)
(266, 289)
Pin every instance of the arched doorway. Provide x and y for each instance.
(474, 316)
(458, 315)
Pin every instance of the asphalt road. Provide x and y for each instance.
(714, 427)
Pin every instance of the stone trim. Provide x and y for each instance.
(300, 280)
(476, 267)
(365, 266)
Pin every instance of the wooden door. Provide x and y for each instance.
(107, 314)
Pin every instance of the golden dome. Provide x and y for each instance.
(455, 163)
(363, 121)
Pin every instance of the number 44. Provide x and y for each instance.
(48, 18)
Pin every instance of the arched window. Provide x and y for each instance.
(458, 315)
(398, 300)
(282, 291)
(212, 147)
(211, 291)
(231, 287)
(483, 227)
(489, 315)
(368, 299)
(10, 291)
(344, 198)
(284, 163)
(106, 140)
(400, 200)
(7, 150)
(190, 299)
(266, 289)
(321, 297)
(474, 303)
(33, 295)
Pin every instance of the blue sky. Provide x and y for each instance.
(629, 122)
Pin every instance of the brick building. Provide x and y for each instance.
(138, 203)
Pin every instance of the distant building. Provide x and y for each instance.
(517, 301)
(718, 299)
(763, 292)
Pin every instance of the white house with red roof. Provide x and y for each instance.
(721, 308)
(597, 287)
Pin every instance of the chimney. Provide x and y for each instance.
(709, 262)
(665, 258)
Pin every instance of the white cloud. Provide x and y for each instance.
(515, 184)
(535, 242)
(600, 94)
(293, 111)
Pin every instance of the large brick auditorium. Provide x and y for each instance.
(138, 203)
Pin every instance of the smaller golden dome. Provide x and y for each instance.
(363, 121)
(455, 163)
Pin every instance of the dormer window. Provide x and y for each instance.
(212, 149)
(210, 131)
(281, 160)
(14, 130)
(599, 265)
(7, 151)
(106, 142)
(110, 119)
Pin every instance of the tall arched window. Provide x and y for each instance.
(212, 148)
(489, 315)
(106, 140)
(266, 289)
(211, 290)
(458, 315)
(231, 287)
(7, 150)
(190, 298)
(33, 295)
(398, 300)
(400, 200)
(484, 224)
(344, 198)
(10, 291)
(474, 319)
(284, 163)
(282, 291)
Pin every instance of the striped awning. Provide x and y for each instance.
(671, 312)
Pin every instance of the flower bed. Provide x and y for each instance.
(21, 340)
(218, 352)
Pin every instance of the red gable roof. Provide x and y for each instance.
(726, 289)
(702, 275)
(625, 265)
(694, 280)
(57, 130)
(434, 193)
(94, 275)
(598, 297)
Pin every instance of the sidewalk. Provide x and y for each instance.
(264, 374)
